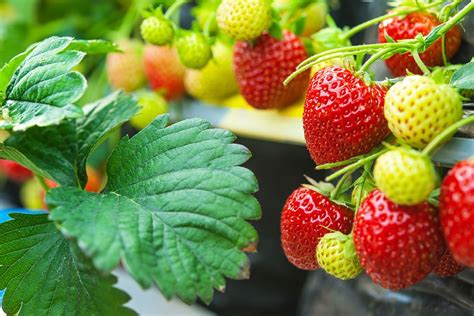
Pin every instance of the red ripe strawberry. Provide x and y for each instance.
(397, 245)
(409, 27)
(448, 266)
(305, 219)
(456, 202)
(261, 68)
(343, 116)
(14, 171)
(164, 71)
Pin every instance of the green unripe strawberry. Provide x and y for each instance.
(157, 30)
(336, 254)
(193, 49)
(417, 109)
(151, 105)
(244, 20)
(405, 176)
(216, 81)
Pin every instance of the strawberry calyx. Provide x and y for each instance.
(362, 186)
(349, 247)
(330, 37)
(324, 188)
(156, 12)
(335, 194)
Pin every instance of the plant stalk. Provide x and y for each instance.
(444, 135)
(356, 165)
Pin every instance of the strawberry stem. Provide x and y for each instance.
(339, 185)
(445, 135)
(420, 63)
(456, 18)
(373, 59)
(349, 50)
(175, 6)
(443, 50)
(352, 167)
(338, 164)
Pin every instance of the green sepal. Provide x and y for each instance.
(349, 248)
(463, 78)
(276, 31)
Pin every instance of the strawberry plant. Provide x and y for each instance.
(173, 210)
(379, 137)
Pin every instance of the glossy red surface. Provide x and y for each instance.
(261, 68)
(306, 217)
(397, 245)
(408, 27)
(457, 211)
(343, 117)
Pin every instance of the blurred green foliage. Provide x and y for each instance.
(23, 22)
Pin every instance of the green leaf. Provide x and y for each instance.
(463, 78)
(91, 47)
(100, 120)
(60, 152)
(48, 151)
(45, 274)
(7, 71)
(174, 209)
(43, 88)
(349, 248)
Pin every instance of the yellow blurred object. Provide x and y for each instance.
(294, 110)
(152, 104)
(216, 81)
(4, 135)
(31, 196)
(237, 102)
(7, 12)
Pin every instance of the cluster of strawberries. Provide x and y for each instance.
(395, 221)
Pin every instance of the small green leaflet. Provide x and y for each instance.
(45, 274)
(92, 47)
(174, 209)
(7, 71)
(60, 152)
(463, 78)
(43, 87)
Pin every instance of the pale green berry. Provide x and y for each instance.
(157, 30)
(405, 176)
(337, 256)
